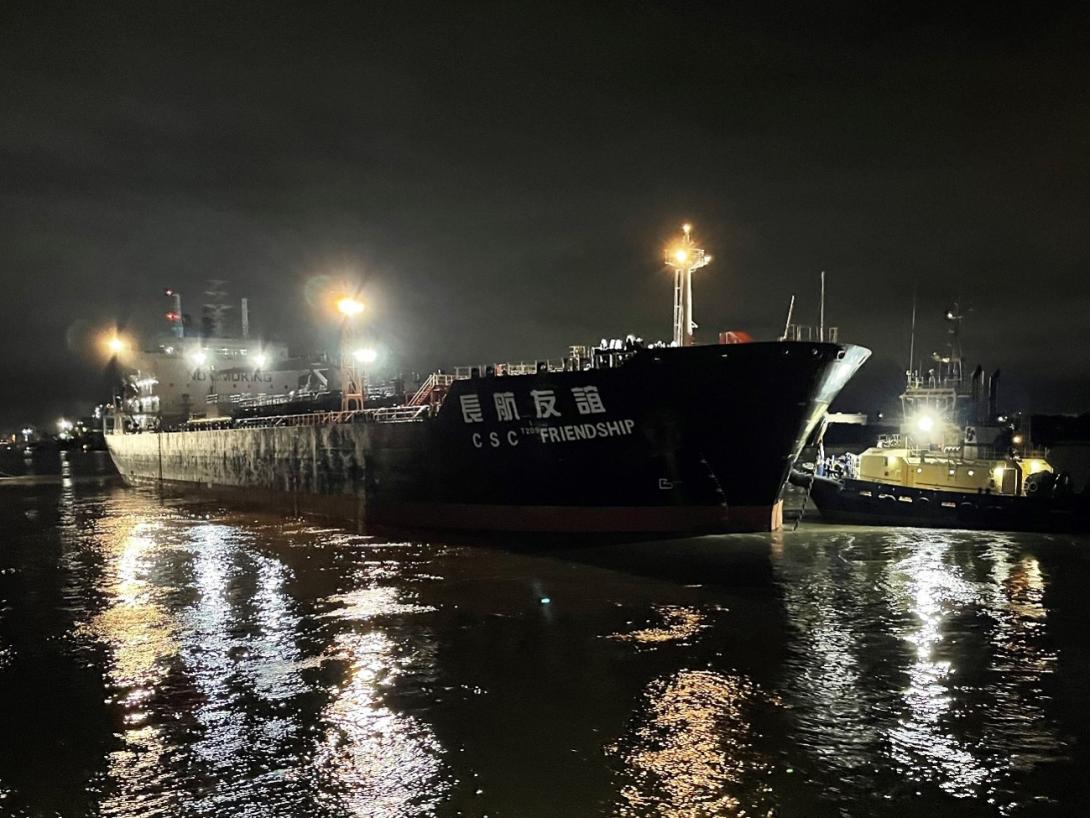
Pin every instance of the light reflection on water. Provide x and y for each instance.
(231, 665)
(959, 703)
(381, 763)
(678, 624)
(691, 752)
(205, 662)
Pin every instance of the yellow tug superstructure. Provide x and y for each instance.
(921, 468)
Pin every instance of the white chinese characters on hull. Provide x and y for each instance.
(587, 402)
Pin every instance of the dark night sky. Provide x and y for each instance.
(502, 178)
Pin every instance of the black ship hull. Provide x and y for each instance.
(869, 503)
(697, 439)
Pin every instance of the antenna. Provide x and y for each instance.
(912, 336)
(790, 312)
(954, 316)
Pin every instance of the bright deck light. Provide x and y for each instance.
(349, 306)
(365, 356)
(925, 423)
(115, 345)
(260, 359)
(197, 357)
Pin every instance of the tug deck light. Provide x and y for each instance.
(925, 423)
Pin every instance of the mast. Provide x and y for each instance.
(912, 337)
(953, 361)
(684, 257)
(821, 310)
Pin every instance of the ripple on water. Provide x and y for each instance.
(221, 682)
(690, 750)
(916, 659)
(679, 623)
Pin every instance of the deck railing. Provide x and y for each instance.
(390, 414)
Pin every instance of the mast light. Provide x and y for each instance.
(684, 257)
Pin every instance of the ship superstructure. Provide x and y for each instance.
(195, 371)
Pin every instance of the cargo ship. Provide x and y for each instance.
(622, 438)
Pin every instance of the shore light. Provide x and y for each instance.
(349, 306)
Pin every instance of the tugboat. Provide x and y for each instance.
(956, 463)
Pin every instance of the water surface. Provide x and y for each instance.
(168, 656)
